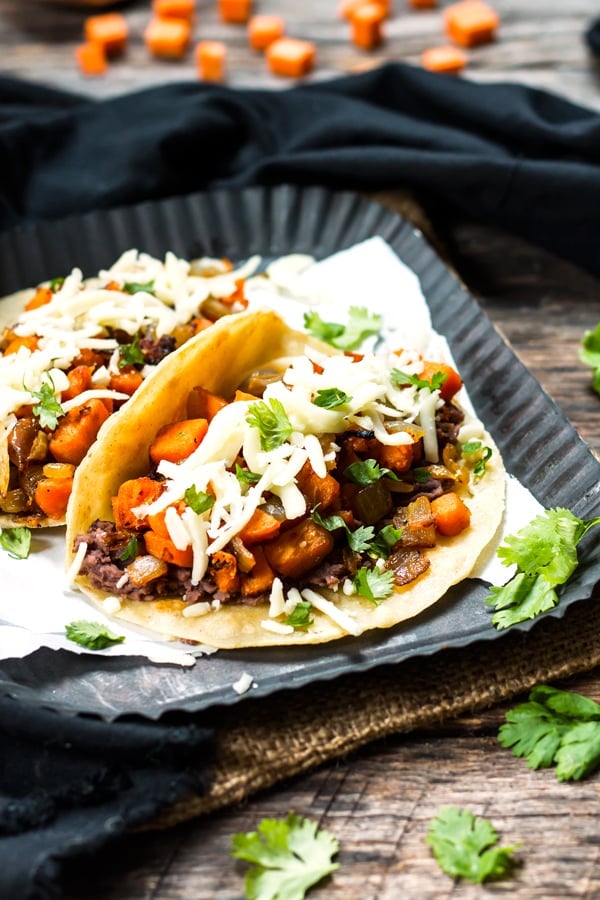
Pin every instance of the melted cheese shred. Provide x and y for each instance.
(372, 402)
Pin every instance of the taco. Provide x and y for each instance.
(73, 351)
(263, 489)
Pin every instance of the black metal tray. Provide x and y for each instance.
(539, 445)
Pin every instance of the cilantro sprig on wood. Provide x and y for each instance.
(545, 554)
(465, 846)
(555, 728)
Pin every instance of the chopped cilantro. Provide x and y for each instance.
(48, 410)
(300, 616)
(131, 354)
(137, 287)
(331, 398)
(361, 324)
(92, 635)
(367, 471)
(358, 540)
(373, 584)
(463, 845)
(400, 379)
(421, 476)
(270, 418)
(476, 455)
(545, 554)
(589, 354)
(198, 501)
(130, 551)
(288, 857)
(16, 541)
(55, 284)
(555, 727)
(384, 542)
(245, 476)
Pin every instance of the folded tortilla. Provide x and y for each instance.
(218, 362)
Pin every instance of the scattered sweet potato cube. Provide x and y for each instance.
(347, 8)
(210, 60)
(91, 59)
(447, 59)
(235, 11)
(174, 9)
(291, 57)
(168, 38)
(366, 22)
(109, 30)
(470, 22)
(263, 30)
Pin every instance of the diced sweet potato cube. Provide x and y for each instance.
(299, 549)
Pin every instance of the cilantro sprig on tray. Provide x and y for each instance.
(545, 554)
(361, 324)
(16, 541)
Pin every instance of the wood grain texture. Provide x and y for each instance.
(379, 802)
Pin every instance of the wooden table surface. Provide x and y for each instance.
(543, 306)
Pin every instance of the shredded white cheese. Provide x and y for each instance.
(276, 627)
(73, 570)
(345, 622)
(243, 684)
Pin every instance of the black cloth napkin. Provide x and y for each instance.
(517, 158)
(504, 154)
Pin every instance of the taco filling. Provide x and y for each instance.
(78, 350)
(320, 488)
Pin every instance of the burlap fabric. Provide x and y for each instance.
(261, 742)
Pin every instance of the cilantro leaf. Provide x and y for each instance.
(131, 354)
(92, 635)
(381, 546)
(373, 584)
(245, 476)
(137, 287)
(16, 541)
(545, 554)
(288, 857)
(300, 616)
(361, 324)
(55, 284)
(367, 471)
(270, 418)
(331, 398)
(198, 501)
(130, 551)
(589, 354)
(358, 540)
(555, 727)
(400, 379)
(48, 410)
(476, 455)
(463, 845)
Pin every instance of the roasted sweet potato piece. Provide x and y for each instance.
(299, 549)
(321, 492)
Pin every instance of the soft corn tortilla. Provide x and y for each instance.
(218, 362)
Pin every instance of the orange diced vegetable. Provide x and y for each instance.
(174, 9)
(448, 59)
(263, 30)
(167, 38)
(291, 57)
(223, 569)
(450, 514)
(203, 404)
(91, 59)
(177, 440)
(80, 380)
(321, 492)
(261, 576)
(52, 496)
(243, 395)
(164, 548)
(366, 22)
(211, 58)
(261, 527)
(453, 382)
(42, 296)
(397, 458)
(107, 30)
(77, 431)
(347, 8)
(235, 11)
(16, 341)
(132, 493)
(299, 549)
(126, 380)
(470, 22)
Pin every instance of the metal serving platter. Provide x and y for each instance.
(539, 445)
